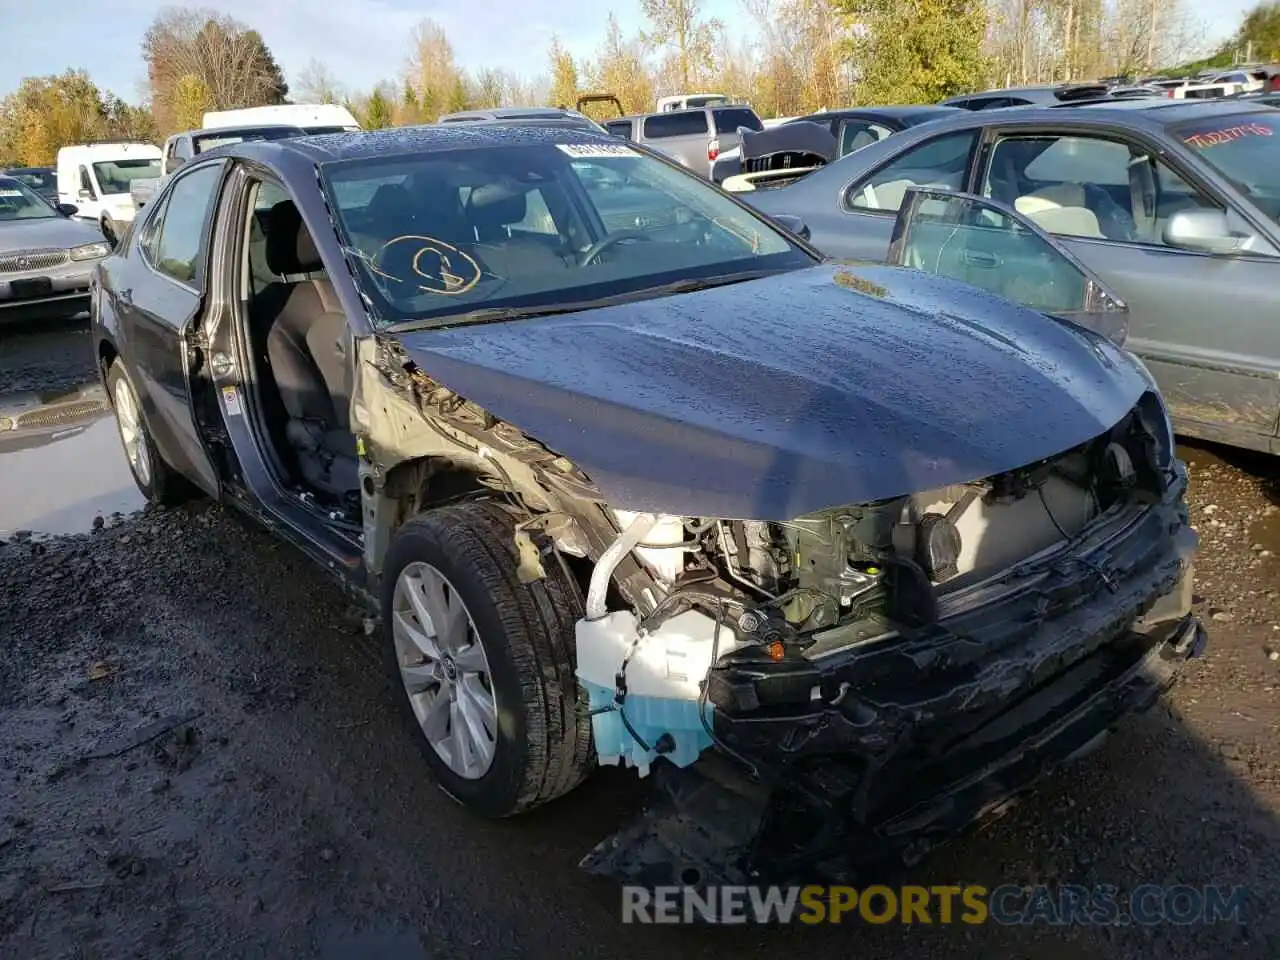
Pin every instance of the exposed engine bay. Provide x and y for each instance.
(862, 679)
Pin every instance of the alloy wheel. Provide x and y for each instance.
(444, 670)
(132, 433)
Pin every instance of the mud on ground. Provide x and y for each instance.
(199, 757)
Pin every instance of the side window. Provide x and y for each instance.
(176, 251)
(1089, 187)
(728, 121)
(537, 218)
(182, 149)
(684, 123)
(87, 184)
(150, 231)
(965, 239)
(619, 128)
(939, 163)
(266, 196)
(861, 133)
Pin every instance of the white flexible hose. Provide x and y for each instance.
(636, 531)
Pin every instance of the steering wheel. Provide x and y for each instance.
(608, 242)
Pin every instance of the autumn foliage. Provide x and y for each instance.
(804, 55)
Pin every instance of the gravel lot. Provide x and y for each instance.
(280, 809)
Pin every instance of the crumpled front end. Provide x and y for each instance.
(848, 691)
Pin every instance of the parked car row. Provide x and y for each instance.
(625, 473)
(1173, 204)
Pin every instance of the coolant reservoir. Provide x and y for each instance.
(665, 559)
(663, 677)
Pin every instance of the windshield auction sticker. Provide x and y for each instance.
(581, 150)
(1212, 138)
(11, 193)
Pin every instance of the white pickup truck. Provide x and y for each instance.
(181, 147)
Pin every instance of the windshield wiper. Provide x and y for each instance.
(499, 314)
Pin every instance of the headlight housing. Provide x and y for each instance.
(90, 251)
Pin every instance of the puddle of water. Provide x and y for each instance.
(63, 465)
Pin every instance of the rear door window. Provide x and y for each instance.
(619, 128)
(685, 123)
(728, 121)
(940, 162)
(180, 240)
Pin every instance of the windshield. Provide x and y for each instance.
(1243, 148)
(532, 226)
(114, 176)
(35, 179)
(18, 202)
(211, 140)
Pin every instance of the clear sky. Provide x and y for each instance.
(362, 41)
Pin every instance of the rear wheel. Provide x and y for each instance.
(482, 663)
(158, 481)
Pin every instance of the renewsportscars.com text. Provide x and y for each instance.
(1065, 905)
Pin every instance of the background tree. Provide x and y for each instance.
(917, 51)
(675, 24)
(620, 68)
(377, 110)
(46, 113)
(564, 75)
(432, 69)
(317, 84)
(1259, 36)
(227, 57)
(190, 101)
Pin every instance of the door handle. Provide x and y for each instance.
(987, 261)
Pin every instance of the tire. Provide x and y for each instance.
(542, 738)
(157, 481)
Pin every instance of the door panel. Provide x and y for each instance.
(1204, 324)
(987, 245)
(157, 311)
(1206, 328)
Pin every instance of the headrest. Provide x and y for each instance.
(290, 249)
(501, 203)
(389, 202)
(1047, 198)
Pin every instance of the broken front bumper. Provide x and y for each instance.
(867, 756)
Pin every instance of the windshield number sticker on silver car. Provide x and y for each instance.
(231, 399)
(10, 193)
(596, 150)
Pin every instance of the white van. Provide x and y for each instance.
(311, 117)
(95, 178)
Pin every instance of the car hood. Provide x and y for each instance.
(781, 396)
(50, 232)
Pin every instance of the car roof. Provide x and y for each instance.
(404, 141)
(508, 113)
(1154, 113)
(6, 170)
(238, 128)
(906, 112)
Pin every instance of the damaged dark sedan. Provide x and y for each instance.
(846, 557)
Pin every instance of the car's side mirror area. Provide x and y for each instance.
(67, 209)
(85, 195)
(108, 234)
(792, 224)
(1205, 231)
(172, 164)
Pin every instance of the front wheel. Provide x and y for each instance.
(158, 481)
(484, 664)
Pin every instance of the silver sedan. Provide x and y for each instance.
(46, 257)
